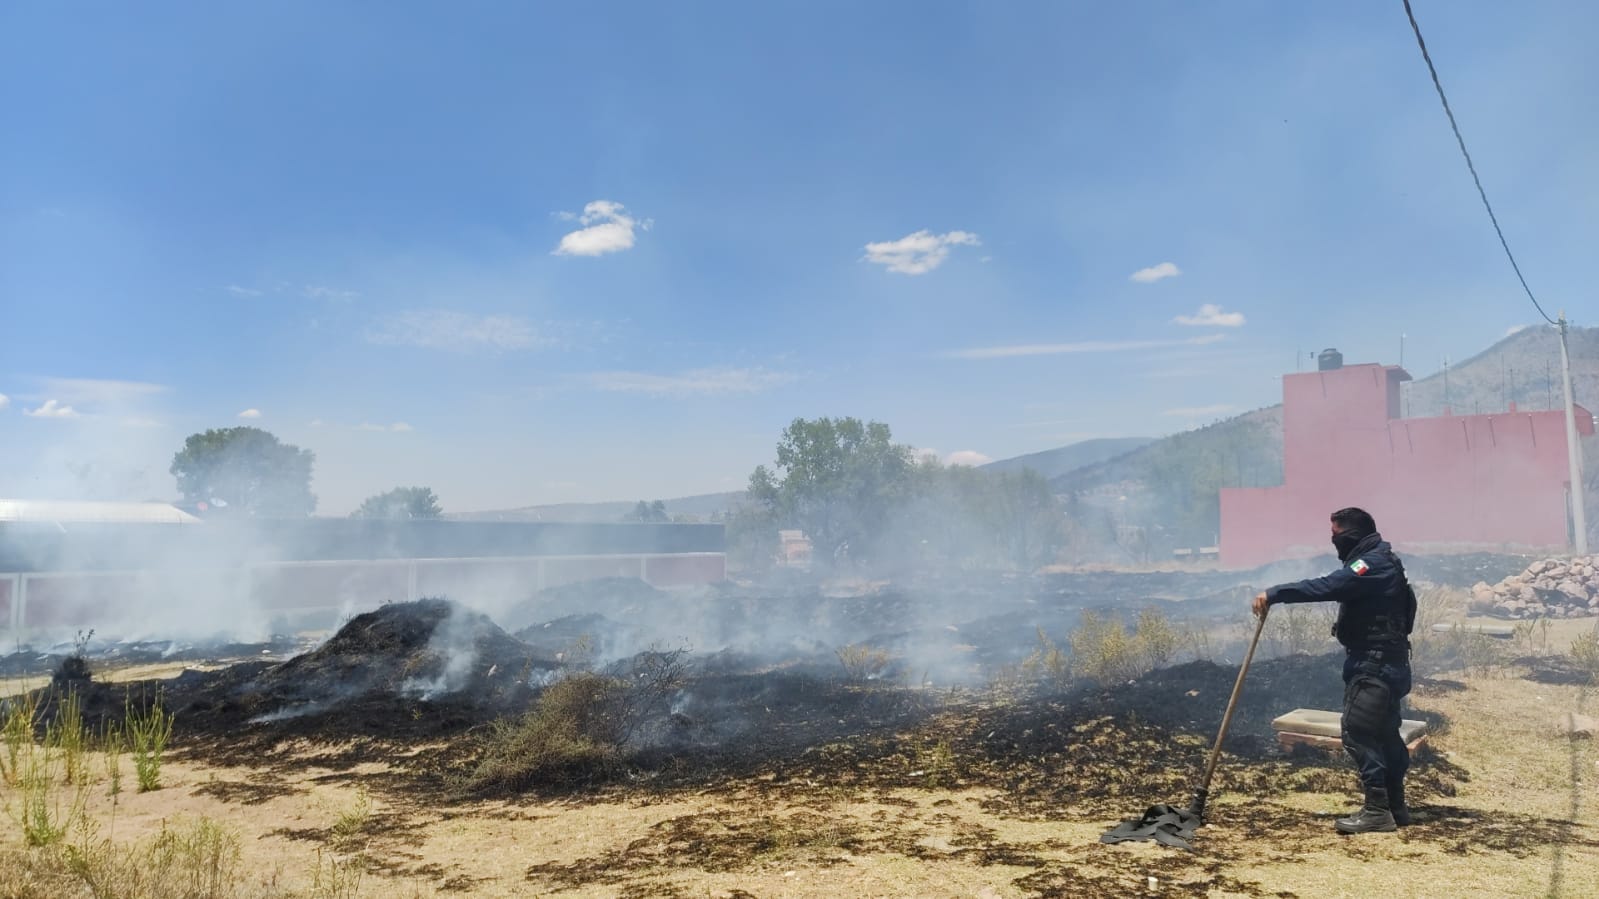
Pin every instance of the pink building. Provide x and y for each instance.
(1453, 483)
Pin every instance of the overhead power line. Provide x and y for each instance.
(1473, 168)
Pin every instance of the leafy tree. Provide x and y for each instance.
(836, 479)
(401, 502)
(248, 470)
(968, 517)
(648, 512)
(752, 539)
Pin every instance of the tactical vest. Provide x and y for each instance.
(1381, 622)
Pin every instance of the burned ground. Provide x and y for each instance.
(789, 724)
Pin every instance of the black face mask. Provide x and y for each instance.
(1345, 544)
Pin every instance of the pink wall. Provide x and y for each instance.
(686, 570)
(1454, 482)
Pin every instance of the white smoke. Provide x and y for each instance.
(454, 639)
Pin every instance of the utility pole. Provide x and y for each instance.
(1401, 349)
(1579, 515)
(1446, 382)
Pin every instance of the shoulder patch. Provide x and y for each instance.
(1359, 566)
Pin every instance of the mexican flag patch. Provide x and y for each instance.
(1359, 566)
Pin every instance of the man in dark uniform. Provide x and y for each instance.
(1376, 610)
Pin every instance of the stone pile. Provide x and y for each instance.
(1551, 588)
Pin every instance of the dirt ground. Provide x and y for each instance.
(345, 772)
(1504, 807)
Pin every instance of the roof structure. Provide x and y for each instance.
(67, 511)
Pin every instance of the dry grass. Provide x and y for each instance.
(1520, 825)
(1104, 651)
(572, 736)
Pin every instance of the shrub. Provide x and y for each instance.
(17, 732)
(862, 662)
(1104, 652)
(1585, 652)
(354, 818)
(148, 732)
(198, 859)
(572, 736)
(1298, 629)
(1049, 664)
(66, 734)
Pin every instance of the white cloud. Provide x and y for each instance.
(1211, 316)
(52, 409)
(4, 401)
(970, 458)
(1199, 411)
(138, 422)
(1514, 330)
(609, 230)
(398, 427)
(698, 382)
(238, 291)
(250, 413)
(919, 253)
(1155, 273)
(1086, 346)
(401, 427)
(97, 392)
(439, 329)
(319, 292)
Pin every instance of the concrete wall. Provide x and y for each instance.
(248, 603)
(1494, 481)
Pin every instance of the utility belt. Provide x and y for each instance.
(1397, 654)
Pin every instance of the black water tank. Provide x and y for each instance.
(1329, 360)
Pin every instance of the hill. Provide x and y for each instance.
(703, 507)
(1523, 368)
(1061, 460)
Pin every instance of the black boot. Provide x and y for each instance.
(1375, 817)
(1396, 803)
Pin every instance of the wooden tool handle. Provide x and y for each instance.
(1203, 792)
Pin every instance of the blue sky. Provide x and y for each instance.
(535, 253)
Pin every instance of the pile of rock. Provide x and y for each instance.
(1552, 588)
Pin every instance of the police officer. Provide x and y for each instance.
(1376, 610)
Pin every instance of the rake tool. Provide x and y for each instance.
(1175, 827)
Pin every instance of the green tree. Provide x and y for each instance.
(752, 539)
(838, 480)
(248, 470)
(648, 513)
(969, 517)
(401, 502)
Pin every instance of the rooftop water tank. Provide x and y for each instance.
(1329, 360)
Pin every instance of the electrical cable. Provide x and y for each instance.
(1478, 181)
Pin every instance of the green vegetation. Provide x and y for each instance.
(148, 731)
(1585, 652)
(865, 502)
(401, 503)
(249, 470)
(862, 662)
(1105, 652)
(648, 513)
(572, 736)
